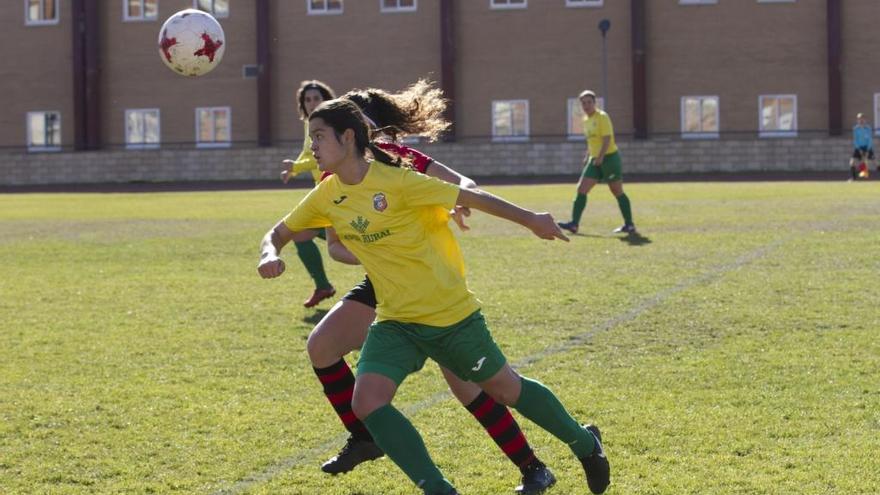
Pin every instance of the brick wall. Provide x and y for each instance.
(479, 159)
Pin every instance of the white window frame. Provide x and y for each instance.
(702, 134)
(213, 12)
(507, 5)
(42, 22)
(579, 135)
(141, 18)
(584, 3)
(394, 10)
(697, 2)
(213, 144)
(877, 114)
(773, 134)
(496, 137)
(42, 148)
(325, 10)
(144, 145)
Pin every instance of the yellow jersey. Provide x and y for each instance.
(396, 222)
(306, 162)
(597, 127)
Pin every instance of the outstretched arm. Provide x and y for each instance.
(541, 224)
(271, 265)
(444, 173)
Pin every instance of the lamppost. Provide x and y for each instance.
(604, 26)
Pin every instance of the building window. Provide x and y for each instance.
(140, 10)
(699, 117)
(508, 4)
(40, 12)
(44, 131)
(142, 128)
(319, 7)
(217, 8)
(576, 117)
(213, 127)
(584, 3)
(398, 5)
(510, 120)
(778, 116)
(697, 2)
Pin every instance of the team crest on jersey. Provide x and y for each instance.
(360, 224)
(379, 202)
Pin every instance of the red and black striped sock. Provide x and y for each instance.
(501, 426)
(338, 382)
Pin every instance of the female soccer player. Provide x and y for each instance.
(309, 95)
(416, 111)
(390, 219)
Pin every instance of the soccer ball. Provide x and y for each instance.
(191, 42)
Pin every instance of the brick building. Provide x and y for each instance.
(86, 74)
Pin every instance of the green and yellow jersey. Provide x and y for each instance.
(306, 162)
(597, 127)
(396, 222)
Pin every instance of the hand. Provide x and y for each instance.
(271, 267)
(285, 174)
(598, 161)
(458, 213)
(544, 226)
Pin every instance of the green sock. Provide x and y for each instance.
(538, 403)
(310, 256)
(400, 441)
(580, 203)
(625, 209)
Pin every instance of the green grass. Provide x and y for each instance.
(735, 350)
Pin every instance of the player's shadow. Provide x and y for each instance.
(635, 239)
(315, 317)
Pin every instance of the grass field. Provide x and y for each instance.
(734, 349)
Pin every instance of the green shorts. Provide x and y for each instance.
(610, 171)
(394, 349)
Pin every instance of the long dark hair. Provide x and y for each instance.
(325, 90)
(342, 114)
(417, 110)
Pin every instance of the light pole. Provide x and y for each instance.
(604, 26)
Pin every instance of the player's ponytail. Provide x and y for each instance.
(416, 111)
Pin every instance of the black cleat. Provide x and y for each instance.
(536, 478)
(596, 464)
(569, 226)
(625, 229)
(353, 453)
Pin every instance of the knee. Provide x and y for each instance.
(364, 404)
(320, 351)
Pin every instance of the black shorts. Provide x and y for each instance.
(857, 153)
(363, 293)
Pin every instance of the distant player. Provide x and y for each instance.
(863, 149)
(601, 164)
(309, 96)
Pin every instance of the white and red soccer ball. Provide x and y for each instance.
(191, 42)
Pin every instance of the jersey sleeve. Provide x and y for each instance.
(605, 128)
(308, 214)
(420, 190)
(420, 161)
